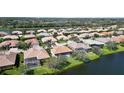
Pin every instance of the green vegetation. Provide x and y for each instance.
(61, 41)
(1, 40)
(80, 55)
(23, 45)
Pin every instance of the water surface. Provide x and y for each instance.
(106, 65)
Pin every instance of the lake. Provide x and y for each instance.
(106, 65)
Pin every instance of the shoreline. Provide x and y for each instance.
(95, 58)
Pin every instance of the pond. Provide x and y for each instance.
(106, 65)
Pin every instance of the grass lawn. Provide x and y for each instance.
(42, 70)
(61, 41)
(107, 51)
(92, 56)
(45, 70)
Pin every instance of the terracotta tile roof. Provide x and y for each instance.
(32, 41)
(3, 33)
(7, 59)
(10, 37)
(45, 39)
(106, 33)
(104, 40)
(118, 39)
(78, 46)
(11, 43)
(39, 53)
(60, 49)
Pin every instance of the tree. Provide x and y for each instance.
(57, 63)
(111, 45)
(96, 35)
(23, 45)
(80, 55)
(97, 50)
(55, 34)
(17, 63)
(1, 40)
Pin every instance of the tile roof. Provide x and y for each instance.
(78, 46)
(11, 43)
(45, 39)
(104, 40)
(33, 41)
(7, 59)
(10, 37)
(60, 49)
(39, 53)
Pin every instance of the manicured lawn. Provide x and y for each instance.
(11, 72)
(61, 41)
(107, 51)
(44, 70)
(92, 56)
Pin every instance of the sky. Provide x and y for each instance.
(61, 8)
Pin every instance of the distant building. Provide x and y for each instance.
(46, 39)
(2, 34)
(17, 32)
(92, 42)
(10, 37)
(32, 42)
(9, 43)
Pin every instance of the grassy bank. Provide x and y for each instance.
(44, 70)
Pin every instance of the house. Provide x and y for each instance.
(61, 50)
(15, 50)
(2, 34)
(7, 60)
(32, 42)
(79, 46)
(62, 37)
(41, 30)
(52, 30)
(72, 35)
(16, 33)
(91, 42)
(10, 43)
(119, 32)
(118, 39)
(86, 35)
(30, 32)
(105, 33)
(121, 29)
(46, 39)
(29, 36)
(33, 56)
(44, 34)
(103, 39)
(10, 37)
